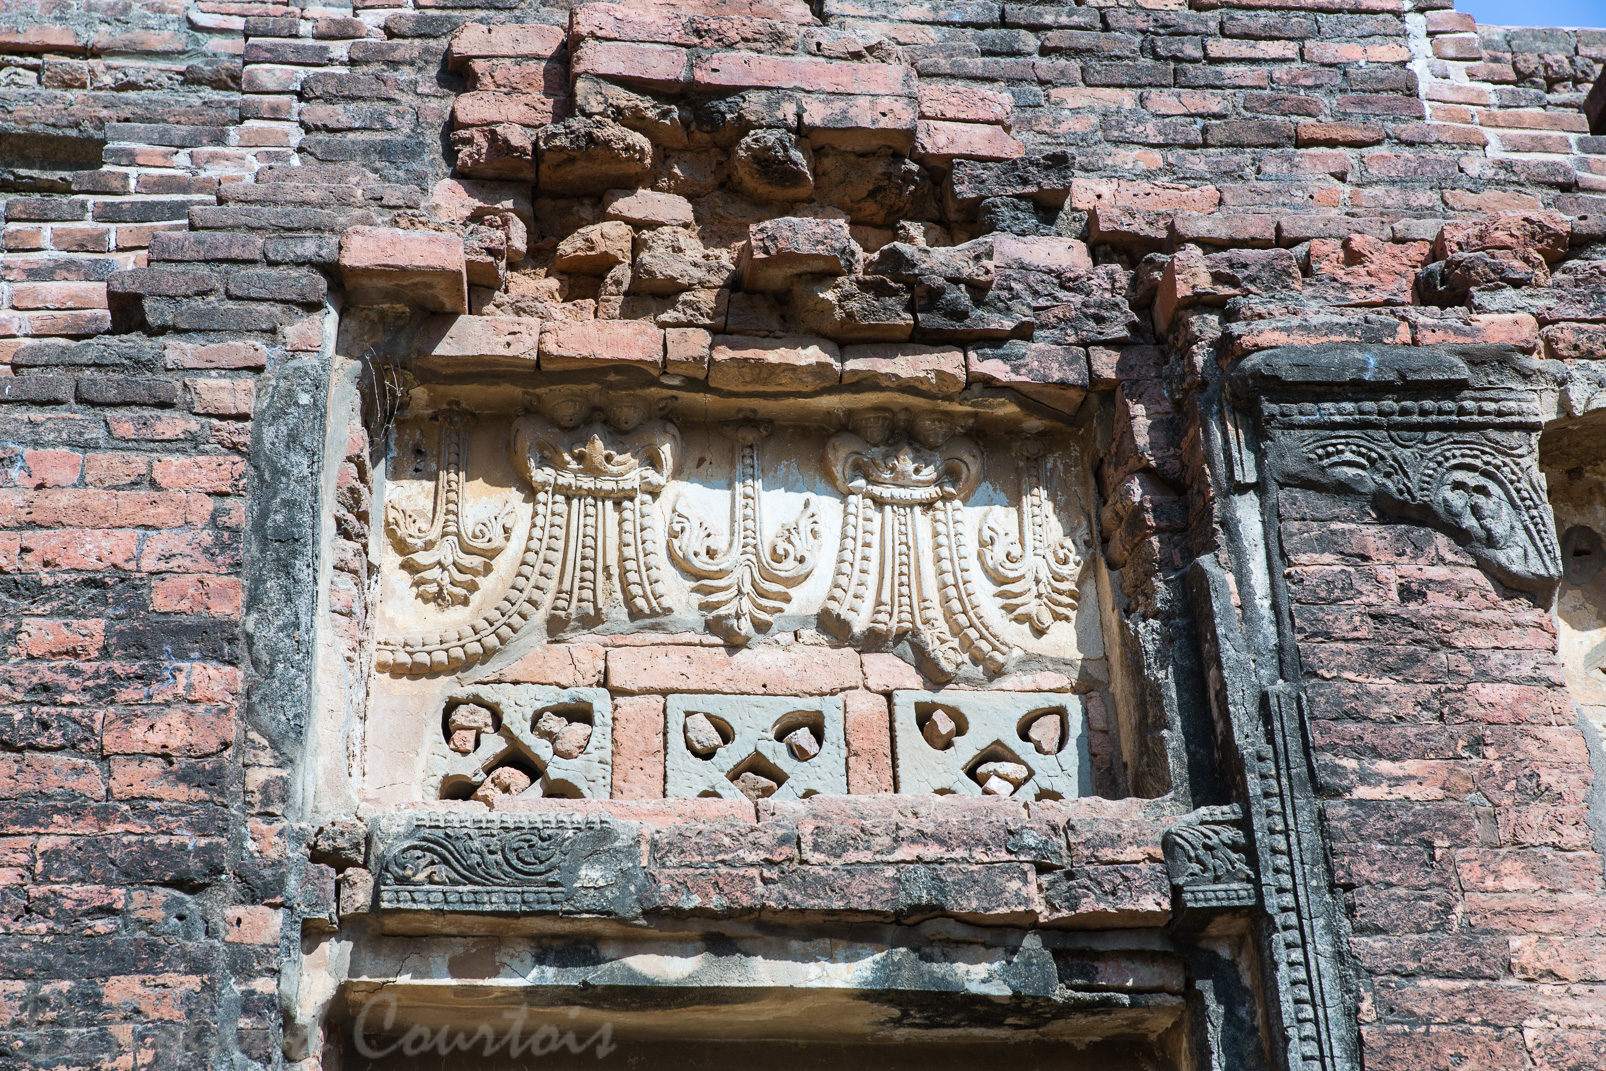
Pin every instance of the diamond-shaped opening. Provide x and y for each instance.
(697, 741)
(566, 726)
(573, 712)
(1044, 729)
(998, 752)
(468, 710)
(940, 732)
(802, 731)
(460, 787)
(757, 777)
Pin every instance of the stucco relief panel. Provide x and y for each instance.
(959, 544)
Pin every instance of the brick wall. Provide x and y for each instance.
(1457, 783)
(177, 179)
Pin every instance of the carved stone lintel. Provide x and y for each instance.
(1207, 859)
(507, 864)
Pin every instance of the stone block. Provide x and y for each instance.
(1030, 745)
(566, 347)
(423, 268)
(780, 250)
(559, 739)
(647, 208)
(904, 366)
(761, 747)
(740, 363)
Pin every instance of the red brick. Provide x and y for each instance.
(252, 925)
(1513, 329)
(212, 475)
(638, 747)
(85, 549)
(656, 66)
(58, 295)
(565, 665)
(966, 104)
(764, 670)
(420, 267)
(743, 363)
(58, 639)
(504, 41)
(50, 468)
(733, 844)
(1441, 1048)
(745, 70)
(223, 355)
(141, 777)
(523, 109)
(115, 470)
(210, 596)
(869, 737)
(188, 552)
(942, 142)
(49, 774)
(179, 731)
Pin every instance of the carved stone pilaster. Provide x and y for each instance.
(1422, 437)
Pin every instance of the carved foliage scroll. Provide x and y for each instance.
(603, 545)
(746, 583)
(1037, 570)
(1206, 857)
(595, 487)
(447, 553)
